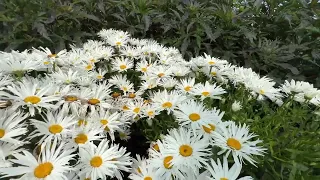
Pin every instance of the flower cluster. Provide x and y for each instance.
(63, 113)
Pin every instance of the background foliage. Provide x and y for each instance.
(275, 37)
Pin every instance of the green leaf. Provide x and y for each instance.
(41, 30)
(208, 31)
(90, 16)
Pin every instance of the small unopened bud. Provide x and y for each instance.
(236, 106)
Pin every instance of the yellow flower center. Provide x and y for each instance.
(261, 92)
(125, 108)
(71, 98)
(96, 161)
(104, 121)
(139, 170)
(81, 139)
(167, 105)
(224, 178)
(194, 117)
(2, 133)
(233, 143)
(43, 170)
(209, 129)
(118, 43)
(124, 88)
(160, 74)
(32, 99)
(187, 88)
(93, 101)
(89, 67)
(166, 162)
(212, 62)
(156, 147)
(205, 93)
(99, 76)
(92, 60)
(148, 178)
(123, 67)
(132, 95)
(115, 95)
(144, 69)
(82, 122)
(52, 55)
(136, 110)
(185, 150)
(55, 128)
(150, 113)
(46, 62)
(87, 179)
(213, 73)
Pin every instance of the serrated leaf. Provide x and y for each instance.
(147, 22)
(189, 26)
(90, 16)
(101, 7)
(293, 69)
(184, 45)
(257, 3)
(41, 29)
(208, 31)
(315, 54)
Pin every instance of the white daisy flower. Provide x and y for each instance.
(296, 86)
(221, 171)
(97, 97)
(136, 163)
(85, 134)
(8, 149)
(146, 172)
(69, 99)
(211, 61)
(167, 100)
(55, 126)
(12, 126)
(188, 151)
(151, 110)
(193, 114)
(25, 93)
(264, 87)
(122, 64)
(129, 51)
(49, 54)
(168, 83)
(17, 63)
(63, 77)
(122, 83)
(207, 90)
(143, 66)
(160, 71)
(109, 121)
(236, 140)
(136, 108)
(186, 85)
(53, 163)
(102, 161)
(163, 166)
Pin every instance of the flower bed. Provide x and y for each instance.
(65, 115)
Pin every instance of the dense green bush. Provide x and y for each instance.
(274, 37)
